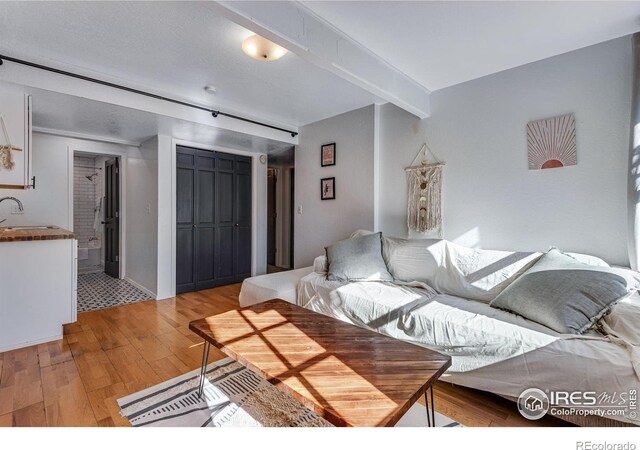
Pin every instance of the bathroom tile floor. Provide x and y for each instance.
(99, 291)
(90, 269)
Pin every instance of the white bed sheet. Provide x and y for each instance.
(491, 350)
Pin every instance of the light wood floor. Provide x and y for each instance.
(113, 352)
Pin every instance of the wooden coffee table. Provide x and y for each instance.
(348, 375)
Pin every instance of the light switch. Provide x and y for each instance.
(299, 209)
(148, 208)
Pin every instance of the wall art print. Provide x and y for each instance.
(551, 143)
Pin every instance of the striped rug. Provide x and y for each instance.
(234, 397)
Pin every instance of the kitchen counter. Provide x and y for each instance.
(17, 234)
(38, 285)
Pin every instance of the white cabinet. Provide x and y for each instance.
(37, 291)
(15, 139)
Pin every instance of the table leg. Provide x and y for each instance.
(431, 411)
(203, 368)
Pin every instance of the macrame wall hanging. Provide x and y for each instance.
(424, 182)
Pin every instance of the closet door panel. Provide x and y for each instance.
(185, 218)
(206, 198)
(243, 253)
(205, 263)
(224, 198)
(225, 266)
(185, 280)
(185, 196)
(205, 226)
(242, 213)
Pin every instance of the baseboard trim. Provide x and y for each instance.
(43, 340)
(141, 287)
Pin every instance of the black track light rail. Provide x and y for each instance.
(214, 113)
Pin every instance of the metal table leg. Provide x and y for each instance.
(431, 411)
(203, 368)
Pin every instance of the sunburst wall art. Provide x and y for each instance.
(551, 143)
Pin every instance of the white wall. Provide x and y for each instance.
(324, 222)
(48, 204)
(142, 217)
(490, 198)
(166, 286)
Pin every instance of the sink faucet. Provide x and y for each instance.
(20, 207)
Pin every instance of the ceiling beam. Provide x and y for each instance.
(296, 28)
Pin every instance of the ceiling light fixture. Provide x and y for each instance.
(210, 89)
(262, 49)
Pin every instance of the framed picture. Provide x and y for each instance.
(328, 155)
(328, 188)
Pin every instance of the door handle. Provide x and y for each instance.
(195, 226)
(237, 225)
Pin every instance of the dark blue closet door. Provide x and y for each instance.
(213, 236)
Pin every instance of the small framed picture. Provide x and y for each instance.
(328, 155)
(328, 188)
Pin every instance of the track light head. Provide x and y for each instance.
(215, 113)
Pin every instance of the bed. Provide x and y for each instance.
(492, 350)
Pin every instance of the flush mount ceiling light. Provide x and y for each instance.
(262, 49)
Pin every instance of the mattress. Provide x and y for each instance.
(280, 285)
(491, 349)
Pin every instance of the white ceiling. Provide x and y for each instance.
(76, 116)
(175, 48)
(440, 44)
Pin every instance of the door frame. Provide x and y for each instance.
(256, 166)
(122, 163)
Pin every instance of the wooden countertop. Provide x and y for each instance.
(18, 234)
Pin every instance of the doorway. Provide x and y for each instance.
(89, 201)
(96, 224)
(280, 209)
(213, 218)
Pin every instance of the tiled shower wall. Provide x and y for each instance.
(86, 195)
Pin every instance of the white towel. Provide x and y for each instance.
(97, 220)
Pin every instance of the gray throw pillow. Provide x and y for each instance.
(357, 259)
(565, 294)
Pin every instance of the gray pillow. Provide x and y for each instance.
(565, 294)
(357, 259)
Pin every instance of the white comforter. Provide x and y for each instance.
(491, 350)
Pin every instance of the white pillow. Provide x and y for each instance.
(412, 259)
(588, 259)
(479, 274)
(360, 233)
(320, 265)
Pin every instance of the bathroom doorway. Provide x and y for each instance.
(96, 212)
(89, 186)
(98, 203)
